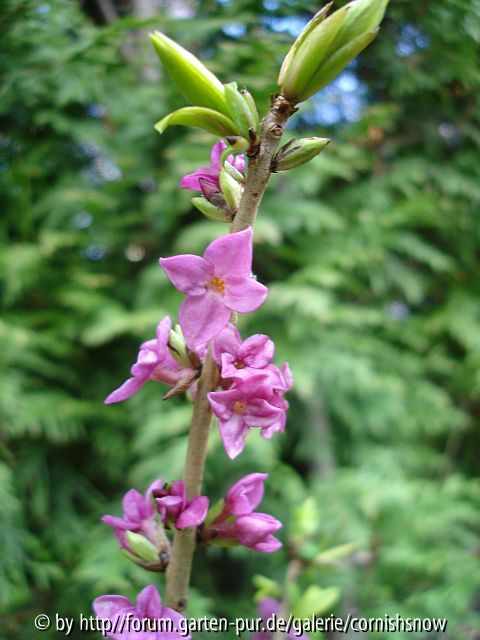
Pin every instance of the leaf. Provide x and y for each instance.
(201, 117)
(198, 84)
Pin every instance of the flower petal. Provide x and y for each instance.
(149, 603)
(231, 254)
(257, 351)
(188, 273)
(246, 494)
(221, 402)
(216, 155)
(107, 607)
(202, 318)
(127, 389)
(133, 506)
(192, 180)
(244, 294)
(194, 514)
(227, 342)
(233, 433)
(269, 545)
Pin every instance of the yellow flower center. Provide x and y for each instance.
(217, 284)
(239, 406)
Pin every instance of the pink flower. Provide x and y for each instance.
(237, 358)
(237, 521)
(250, 403)
(176, 510)
(122, 618)
(215, 285)
(154, 362)
(139, 516)
(211, 174)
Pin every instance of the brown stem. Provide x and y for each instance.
(259, 167)
(180, 566)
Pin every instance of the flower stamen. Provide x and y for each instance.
(217, 284)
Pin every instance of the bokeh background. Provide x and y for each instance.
(372, 255)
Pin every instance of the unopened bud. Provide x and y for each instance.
(298, 152)
(231, 190)
(211, 211)
(177, 347)
(142, 547)
(327, 45)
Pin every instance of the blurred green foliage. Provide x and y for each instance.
(372, 255)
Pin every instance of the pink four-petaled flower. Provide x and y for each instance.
(235, 358)
(216, 285)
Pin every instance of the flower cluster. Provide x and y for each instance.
(253, 388)
(141, 531)
(237, 522)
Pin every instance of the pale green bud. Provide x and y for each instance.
(142, 547)
(231, 190)
(211, 211)
(298, 152)
(177, 347)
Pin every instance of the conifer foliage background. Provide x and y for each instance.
(372, 252)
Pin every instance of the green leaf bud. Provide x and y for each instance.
(317, 19)
(336, 63)
(311, 54)
(327, 45)
(298, 152)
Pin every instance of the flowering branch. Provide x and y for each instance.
(204, 354)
